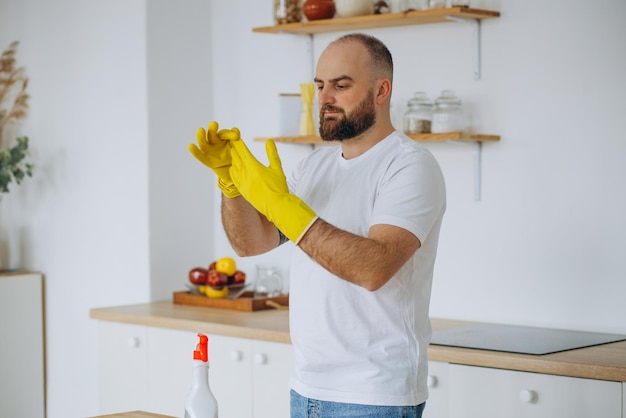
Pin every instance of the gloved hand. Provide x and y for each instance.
(266, 189)
(215, 154)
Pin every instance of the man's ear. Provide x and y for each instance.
(383, 90)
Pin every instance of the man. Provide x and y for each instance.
(364, 217)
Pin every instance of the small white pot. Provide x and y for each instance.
(349, 8)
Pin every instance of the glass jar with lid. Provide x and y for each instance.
(416, 5)
(436, 4)
(448, 114)
(287, 11)
(417, 119)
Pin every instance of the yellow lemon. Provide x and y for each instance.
(226, 265)
(214, 293)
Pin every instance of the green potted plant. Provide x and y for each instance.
(13, 108)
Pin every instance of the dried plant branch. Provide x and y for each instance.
(13, 96)
(13, 108)
(7, 60)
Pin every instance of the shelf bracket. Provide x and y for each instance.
(311, 56)
(478, 171)
(475, 39)
(477, 166)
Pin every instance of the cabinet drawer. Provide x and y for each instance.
(272, 367)
(123, 367)
(486, 393)
(170, 369)
(21, 346)
(438, 386)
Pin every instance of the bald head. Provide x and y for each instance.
(380, 62)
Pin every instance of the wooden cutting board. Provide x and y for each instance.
(245, 302)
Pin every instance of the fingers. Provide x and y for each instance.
(211, 136)
(272, 155)
(229, 134)
(195, 151)
(213, 139)
(201, 139)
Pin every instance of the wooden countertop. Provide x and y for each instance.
(134, 414)
(267, 325)
(604, 362)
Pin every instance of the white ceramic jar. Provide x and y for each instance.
(350, 8)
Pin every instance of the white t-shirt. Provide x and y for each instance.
(353, 345)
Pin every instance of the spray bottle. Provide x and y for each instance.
(200, 401)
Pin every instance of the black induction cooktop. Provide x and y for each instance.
(520, 339)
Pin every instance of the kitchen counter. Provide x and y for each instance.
(604, 362)
(265, 325)
(134, 414)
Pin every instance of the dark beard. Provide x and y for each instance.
(350, 126)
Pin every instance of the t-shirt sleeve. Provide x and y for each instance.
(411, 195)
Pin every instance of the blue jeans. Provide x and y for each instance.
(302, 407)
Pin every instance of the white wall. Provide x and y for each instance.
(110, 217)
(118, 212)
(545, 243)
(179, 101)
(82, 217)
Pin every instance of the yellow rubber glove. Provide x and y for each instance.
(215, 154)
(266, 189)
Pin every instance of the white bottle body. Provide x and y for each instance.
(200, 401)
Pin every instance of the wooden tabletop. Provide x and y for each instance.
(134, 414)
(266, 325)
(604, 362)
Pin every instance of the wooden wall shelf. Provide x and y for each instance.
(465, 15)
(452, 136)
(414, 17)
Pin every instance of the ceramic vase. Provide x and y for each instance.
(318, 9)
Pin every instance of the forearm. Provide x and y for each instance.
(248, 231)
(365, 261)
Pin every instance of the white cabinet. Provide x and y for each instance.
(170, 360)
(491, 393)
(271, 370)
(251, 378)
(438, 382)
(123, 367)
(149, 368)
(21, 345)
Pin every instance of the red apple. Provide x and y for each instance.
(239, 277)
(216, 279)
(212, 265)
(198, 275)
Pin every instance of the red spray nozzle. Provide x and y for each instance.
(202, 349)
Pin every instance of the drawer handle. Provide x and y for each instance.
(236, 355)
(134, 342)
(431, 381)
(260, 358)
(528, 396)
